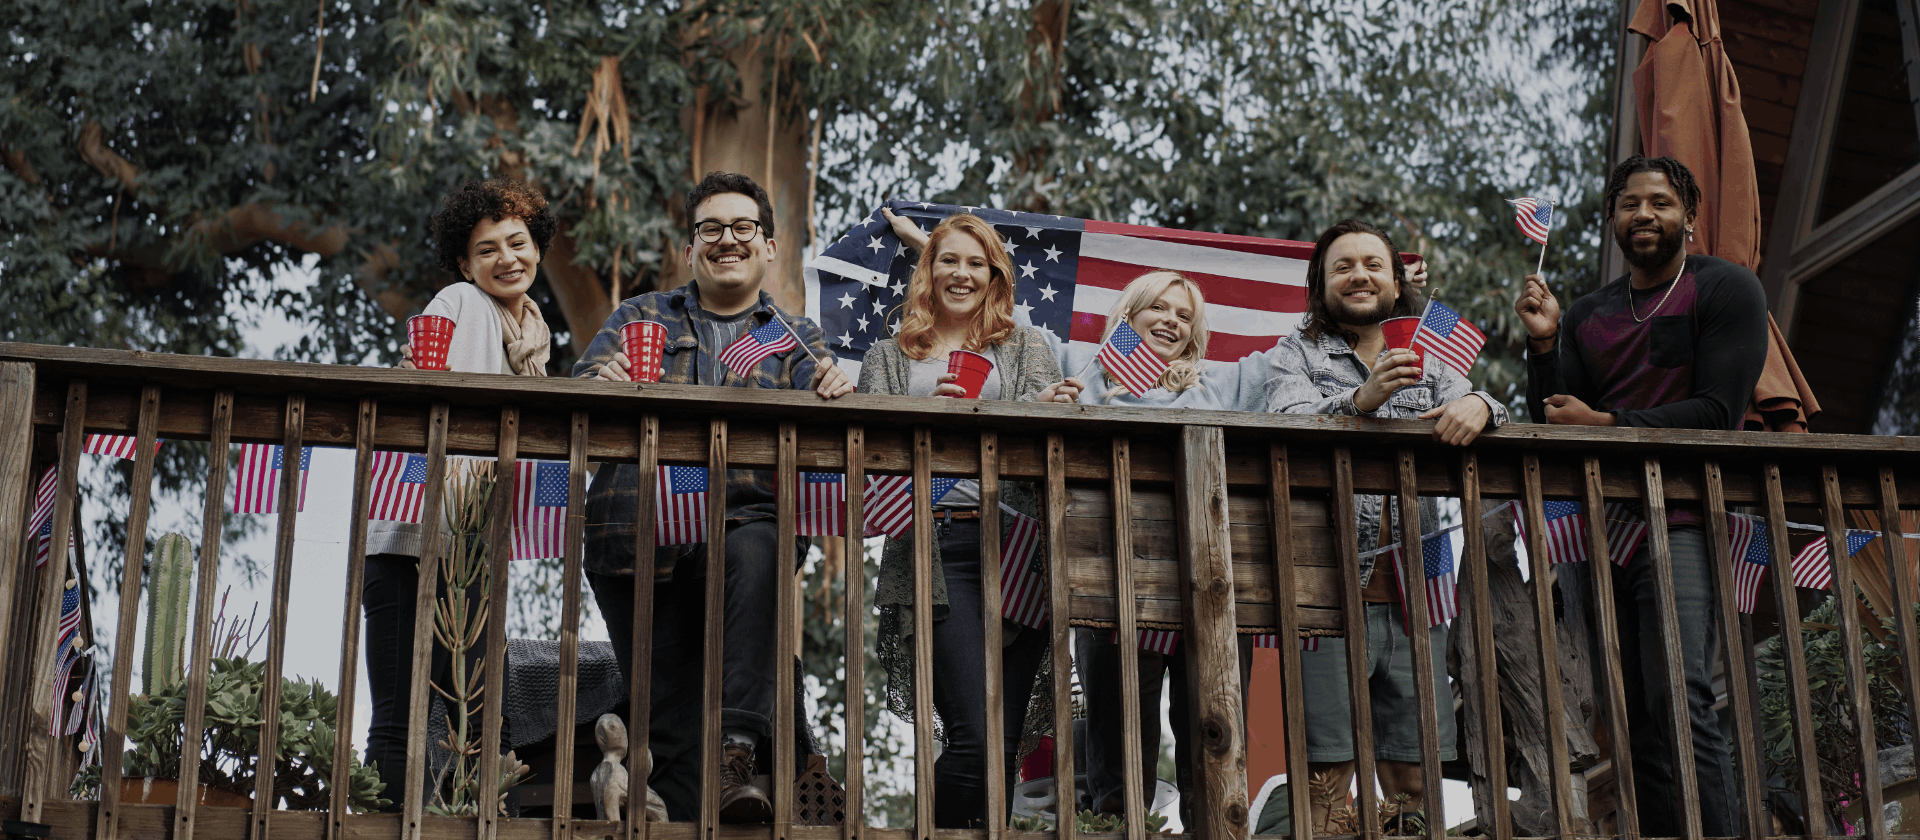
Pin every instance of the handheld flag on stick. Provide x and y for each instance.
(1535, 218)
(1131, 362)
(746, 351)
(1444, 335)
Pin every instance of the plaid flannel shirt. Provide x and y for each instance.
(611, 500)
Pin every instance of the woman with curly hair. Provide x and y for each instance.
(491, 234)
(960, 298)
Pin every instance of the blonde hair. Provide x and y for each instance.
(1183, 371)
(992, 322)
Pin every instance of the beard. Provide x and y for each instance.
(1665, 247)
(1341, 312)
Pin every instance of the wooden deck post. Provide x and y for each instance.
(1207, 578)
(16, 484)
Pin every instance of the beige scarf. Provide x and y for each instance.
(526, 337)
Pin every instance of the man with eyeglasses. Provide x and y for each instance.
(730, 247)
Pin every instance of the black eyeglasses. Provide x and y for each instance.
(744, 230)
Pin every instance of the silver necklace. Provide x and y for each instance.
(1663, 298)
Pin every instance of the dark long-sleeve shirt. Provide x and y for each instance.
(1690, 362)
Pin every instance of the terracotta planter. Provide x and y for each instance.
(150, 790)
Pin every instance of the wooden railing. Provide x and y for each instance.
(1231, 522)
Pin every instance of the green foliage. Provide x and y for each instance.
(303, 760)
(170, 581)
(1834, 737)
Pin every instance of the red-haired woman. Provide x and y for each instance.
(960, 298)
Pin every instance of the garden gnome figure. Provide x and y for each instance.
(610, 780)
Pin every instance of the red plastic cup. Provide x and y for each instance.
(643, 342)
(972, 368)
(429, 336)
(1399, 334)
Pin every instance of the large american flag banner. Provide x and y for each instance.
(1813, 565)
(1023, 592)
(540, 492)
(680, 506)
(399, 483)
(1750, 554)
(119, 446)
(258, 490)
(1436, 560)
(1068, 276)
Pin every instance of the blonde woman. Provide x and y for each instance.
(960, 298)
(1169, 312)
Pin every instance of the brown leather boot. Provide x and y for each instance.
(740, 800)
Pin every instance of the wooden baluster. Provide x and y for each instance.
(1286, 607)
(1413, 582)
(1659, 552)
(134, 561)
(1346, 546)
(1900, 573)
(716, 639)
(855, 620)
(1552, 705)
(1137, 789)
(990, 609)
(1479, 621)
(340, 782)
(17, 483)
(432, 513)
(570, 631)
(1060, 604)
(786, 524)
(498, 594)
(923, 744)
(1607, 622)
(1780, 577)
(1847, 616)
(1206, 549)
(40, 745)
(1746, 728)
(640, 682)
(288, 497)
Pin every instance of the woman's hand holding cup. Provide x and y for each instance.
(947, 388)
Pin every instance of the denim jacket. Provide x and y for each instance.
(1320, 375)
(684, 361)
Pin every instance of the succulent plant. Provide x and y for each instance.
(169, 585)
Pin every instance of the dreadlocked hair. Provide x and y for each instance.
(1678, 175)
(1317, 321)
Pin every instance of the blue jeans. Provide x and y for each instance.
(960, 683)
(1643, 675)
(755, 572)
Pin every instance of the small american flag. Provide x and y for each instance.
(889, 502)
(1163, 642)
(1625, 531)
(680, 506)
(119, 446)
(1023, 593)
(1436, 554)
(1444, 336)
(1534, 216)
(69, 627)
(258, 490)
(1813, 566)
(540, 495)
(43, 549)
(1566, 526)
(1272, 640)
(399, 483)
(43, 499)
(746, 351)
(1750, 554)
(1131, 362)
(823, 505)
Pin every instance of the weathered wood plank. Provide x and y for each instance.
(1786, 598)
(413, 808)
(1287, 621)
(1613, 681)
(40, 745)
(640, 681)
(1490, 799)
(1848, 618)
(1211, 640)
(570, 579)
(990, 609)
(854, 689)
(1131, 779)
(923, 743)
(1545, 643)
(1420, 614)
(718, 454)
(1746, 740)
(1353, 616)
(1062, 636)
(17, 483)
(349, 622)
(133, 570)
(786, 624)
(498, 595)
(1680, 731)
(292, 482)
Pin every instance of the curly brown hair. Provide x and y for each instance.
(495, 198)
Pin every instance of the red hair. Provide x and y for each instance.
(992, 322)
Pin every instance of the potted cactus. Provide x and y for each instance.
(156, 719)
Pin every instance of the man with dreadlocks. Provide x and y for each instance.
(1679, 342)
